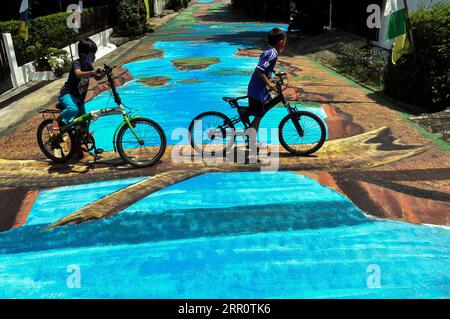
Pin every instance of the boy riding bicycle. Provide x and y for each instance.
(258, 92)
(73, 94)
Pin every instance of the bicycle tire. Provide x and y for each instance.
(225, 119)
(46, 152)
(295, 117)
(128, 158)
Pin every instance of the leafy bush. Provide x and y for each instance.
(51, 31)
(132, 17)
(20, 45)
(39, 54)
(45, 58)
(365, 64)
(177, 4)
(59, 61)
(423, 77)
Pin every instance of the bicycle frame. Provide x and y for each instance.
(280, 98)
(93, 116)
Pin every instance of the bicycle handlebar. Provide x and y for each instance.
(108, 68)
(280, 81)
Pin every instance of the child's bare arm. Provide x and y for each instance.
(81, 74)
(266, 79)
(99, 74)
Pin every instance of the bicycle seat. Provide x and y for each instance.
(234, 99)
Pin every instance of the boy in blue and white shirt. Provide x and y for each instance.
(260, 83)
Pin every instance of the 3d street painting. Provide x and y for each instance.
(335, 224)
(224, 235)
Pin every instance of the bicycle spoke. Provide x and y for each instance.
(151, 146)
(209, 135)
(311, 137)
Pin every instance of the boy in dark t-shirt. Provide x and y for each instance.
(260, 83)
(73, 93)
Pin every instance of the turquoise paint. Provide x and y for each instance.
(56, 203)
(239, 235)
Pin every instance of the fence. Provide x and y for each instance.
(5, 72)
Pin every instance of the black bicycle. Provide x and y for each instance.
(140, 142)
(300, 132)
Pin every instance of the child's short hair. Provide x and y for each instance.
(275, 36)
(86, 46)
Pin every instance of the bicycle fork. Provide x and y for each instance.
(295, 118)
(131, 126)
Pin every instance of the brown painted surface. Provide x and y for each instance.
(339, 123)
(25, 208)
(384, 202)
(15, 205)
(120, 76)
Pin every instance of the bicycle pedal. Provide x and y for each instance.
(99, 151)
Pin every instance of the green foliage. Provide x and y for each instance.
(365, 64)
(39, 54)
(55, 59)
(20, 45)
(423, 78)
(179, 4)
(59, 61)
(132, 18)
(52, 31)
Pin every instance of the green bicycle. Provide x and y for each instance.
(140, 142)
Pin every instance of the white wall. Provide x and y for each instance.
(413, 5)
(160, 5)
(25, 73)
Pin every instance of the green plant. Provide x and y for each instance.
(365, 64)
(20, 45)
(39, 53)
(52, 31)
(423, 78)
(177, 4)
(132, 17)
(45, 58)
(59, 61)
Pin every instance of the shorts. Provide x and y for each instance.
(258, 108)
(71, 107)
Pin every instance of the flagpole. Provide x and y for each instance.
(405, 2)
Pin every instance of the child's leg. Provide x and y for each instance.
(257, 110)
(82, 111)
(70, 107)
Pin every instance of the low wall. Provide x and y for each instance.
(25, 73)
(159, 6)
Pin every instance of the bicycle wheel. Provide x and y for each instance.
(59, 149)
(211, 132)
(302, 133)
(142, 154)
